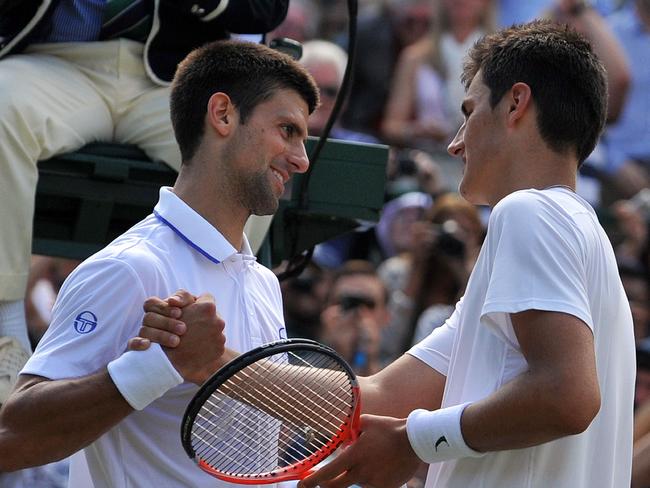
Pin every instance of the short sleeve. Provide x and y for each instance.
(535, 263)
(99, 308)
(435, 349)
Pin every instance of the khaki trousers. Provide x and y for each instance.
(55, 98)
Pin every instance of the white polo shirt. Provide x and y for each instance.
(544, 250)
(99, 309)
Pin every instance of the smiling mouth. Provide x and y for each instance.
(278, 176)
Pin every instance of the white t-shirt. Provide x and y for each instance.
(100, 307)
(544, 250)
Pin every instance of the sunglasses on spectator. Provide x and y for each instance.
(329, 91)
(353, 301)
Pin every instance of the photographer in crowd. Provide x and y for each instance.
(356, 314)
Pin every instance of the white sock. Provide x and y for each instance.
(13, 322)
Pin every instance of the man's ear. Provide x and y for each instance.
(520, 101)
(221, 113)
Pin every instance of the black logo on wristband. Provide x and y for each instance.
(440, 441)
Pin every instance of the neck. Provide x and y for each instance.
(197, 189)
(545, 171)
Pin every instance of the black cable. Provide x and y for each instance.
(342, 94)
(297, 263)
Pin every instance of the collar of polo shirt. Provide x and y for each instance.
(194, 229)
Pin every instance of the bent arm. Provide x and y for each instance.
(558, 395)
(47, 420)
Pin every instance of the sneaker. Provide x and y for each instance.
(12, 359)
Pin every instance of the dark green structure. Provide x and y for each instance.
(87, 198)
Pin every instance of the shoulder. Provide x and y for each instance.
(527, 211)
(518, 205)
(132, 258)
(535, 219)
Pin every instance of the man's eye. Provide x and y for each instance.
(289, 129)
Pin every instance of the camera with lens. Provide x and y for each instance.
(447, 241)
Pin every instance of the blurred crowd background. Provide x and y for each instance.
(375, 291)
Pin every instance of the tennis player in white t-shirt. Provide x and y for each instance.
(239, 112)
(529, 384)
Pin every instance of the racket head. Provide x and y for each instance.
(237, 427)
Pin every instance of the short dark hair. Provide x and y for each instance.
(566, 78)
(247, 72)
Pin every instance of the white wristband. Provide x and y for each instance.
(436, 435)
(143, 376)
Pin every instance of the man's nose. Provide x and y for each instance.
(298, 158)
(456, 146)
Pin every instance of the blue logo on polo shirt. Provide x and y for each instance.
(85, 322)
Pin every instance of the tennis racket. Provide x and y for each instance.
(273, 413)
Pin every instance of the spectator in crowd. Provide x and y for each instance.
(637, 289)
(426, 90)
(304, 298)
(590, 23)
(74, 72)
(394, 229)
(450, 246)
(632, 219)
(627, 141)
(356, 314)
(46, 276)
(239, 112)
(516, 11)
(326, 63)
(381, 36)
(431, 275)
(413, 170)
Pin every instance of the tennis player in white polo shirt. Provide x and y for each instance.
(530, 382)
(239, 112)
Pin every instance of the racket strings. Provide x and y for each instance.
(273, 414)
(287, 405)
(233, 459)
(227, 448)
(322, 413)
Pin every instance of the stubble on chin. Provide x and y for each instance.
(260, 197)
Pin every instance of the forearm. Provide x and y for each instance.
(525, 412)
(401, 387)
(44, 420)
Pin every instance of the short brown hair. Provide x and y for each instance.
(567, 80)
(247, 72)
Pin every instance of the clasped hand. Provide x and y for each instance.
(190, 331)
